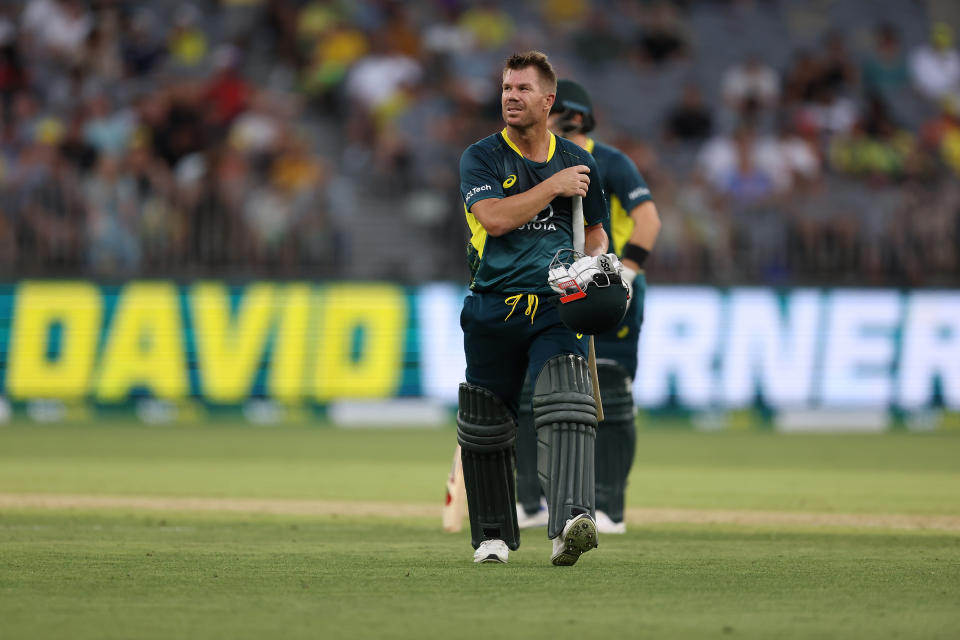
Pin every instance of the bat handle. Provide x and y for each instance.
(576, 222)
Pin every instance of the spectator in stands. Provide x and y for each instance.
(752, 82)
(663, 37)
(141, 50)
(335, 50)
(158, 225)
(257, 131)
(58, 28)
(836, 68)
(802, 79)
(935, 66)
(828, 113)
(186, 41)
(746, 181)
(735, 162)
(940, 135)
(100, 55)
(885, 67)
(491, 26)
(51, 206)
(228, 91)
(112, 224)
(399, 33)
(107, 130)
(447, 36)
(179, 124)
(706, 225)
(74, 148)
(689, 120)
(314, 19)
(218, 228)
(595, 42)
(13, 72)
(797, 161)
(376, 77)
(875, 146)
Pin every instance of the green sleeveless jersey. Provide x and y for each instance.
(624, 187)
(518, 261)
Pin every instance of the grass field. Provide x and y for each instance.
(159, 566)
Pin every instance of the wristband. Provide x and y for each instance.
(635, 252)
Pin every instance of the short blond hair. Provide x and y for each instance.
(536, 59)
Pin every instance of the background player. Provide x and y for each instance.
(518, 187)
(633, 228)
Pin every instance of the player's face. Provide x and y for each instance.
(523, 99)
(564, 124)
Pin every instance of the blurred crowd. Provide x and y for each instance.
(785, 141)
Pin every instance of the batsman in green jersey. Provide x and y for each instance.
(519, 187)
(633, 227)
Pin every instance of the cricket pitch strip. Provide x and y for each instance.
(635, 515)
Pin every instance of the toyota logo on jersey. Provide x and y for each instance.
(541, 222)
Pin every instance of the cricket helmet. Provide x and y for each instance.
(573, 98)
(595, 308)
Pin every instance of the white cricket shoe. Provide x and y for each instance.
(493, 550)
(579, 535)
(538, 519)
(606, 525)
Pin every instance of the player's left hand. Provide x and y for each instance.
(591, 268)
(558, 276)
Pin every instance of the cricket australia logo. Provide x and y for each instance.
(542, 222)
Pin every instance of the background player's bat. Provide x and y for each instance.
(455, 507)
(579, 241)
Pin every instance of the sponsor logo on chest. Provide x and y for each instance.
(542, 222)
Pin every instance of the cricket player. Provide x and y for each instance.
(518, 187)
(633, 227)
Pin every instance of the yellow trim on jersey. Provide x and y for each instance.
(591, 143)
(621, 224)
(553, 145)
(478, 235)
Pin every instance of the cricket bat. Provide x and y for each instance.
(579, 240)
(455, 507)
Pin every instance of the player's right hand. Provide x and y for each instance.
(572, 181)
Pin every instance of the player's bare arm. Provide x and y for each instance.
(502, 215)
(595, 240)
(645, 231)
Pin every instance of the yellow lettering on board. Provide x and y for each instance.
(78, 309)
(230, 349)
(378, 312)
(288, 361)
(145, 345)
